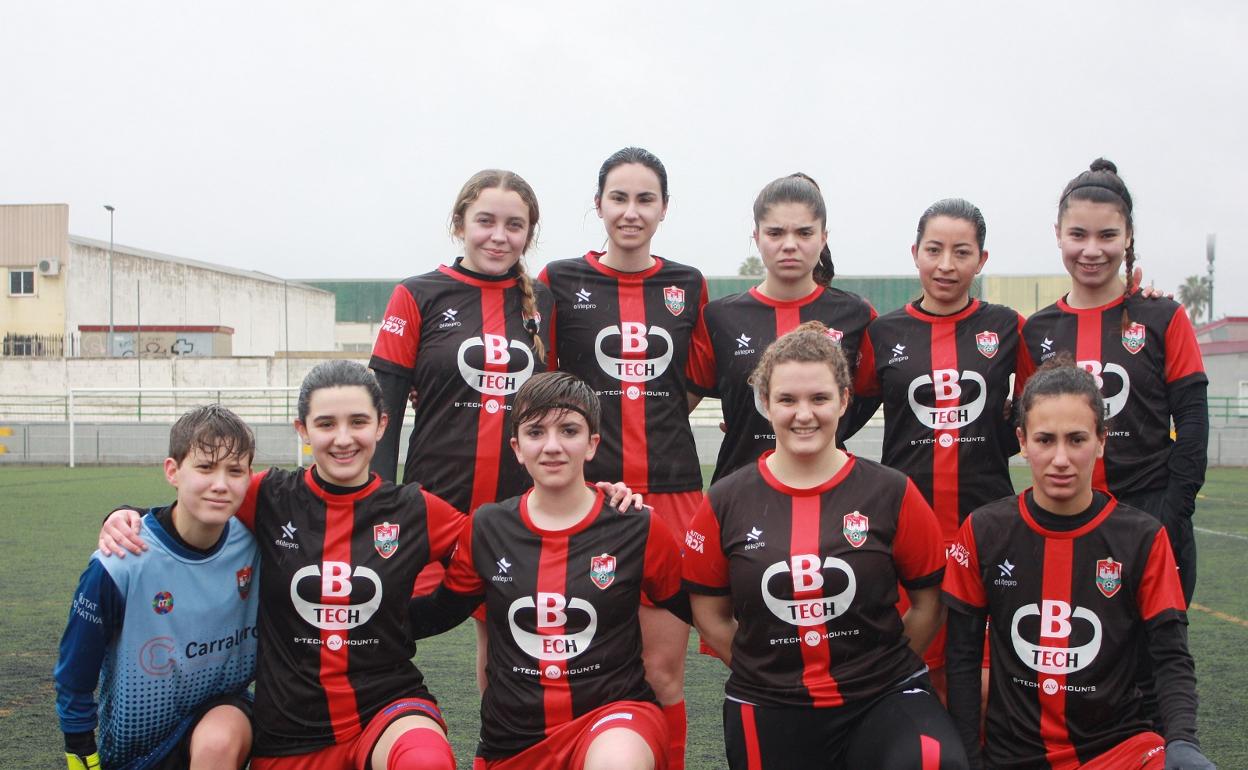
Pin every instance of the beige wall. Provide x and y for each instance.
(29, 234)
(1025, 293)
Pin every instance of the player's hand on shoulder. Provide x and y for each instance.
(1185, 755)
(120, 533)
(1149, 291)
(621, 496)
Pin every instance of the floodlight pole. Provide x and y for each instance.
(1211, 242)
(110, 210)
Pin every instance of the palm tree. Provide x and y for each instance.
(1194, 294)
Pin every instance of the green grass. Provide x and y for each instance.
(48, 523)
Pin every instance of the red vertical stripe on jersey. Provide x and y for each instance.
(1058, 563)
(753, 757)
(552, 574)
(945, 456)
(1088, 354)
(489, 423)
(787, 319)
(634, 450)
(339, 694)
(929, 752)
(816, 658)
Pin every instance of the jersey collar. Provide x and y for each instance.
(780, 486)
(594, 258)
(1092, 524)
(942, 319)
(776, 303)
(580, 526)
(1062, 305)
(480, 280)
(309, 478)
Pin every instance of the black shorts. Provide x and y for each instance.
(904, 728)
(178, 754)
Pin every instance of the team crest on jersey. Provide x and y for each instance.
(855, 528)
(1133, 338)
(602, 570)
(988, 343)
(386, 539)
(243, 581)
(162, 603)
(674, 298)
(836, 335)
(1108, 576)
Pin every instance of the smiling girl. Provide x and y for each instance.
(793, 564)
(791, 232)
(625, 322)
(1142, 353)
(1068, 580)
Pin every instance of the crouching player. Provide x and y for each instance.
(561, 575)
(1071, 580)
(170, 638)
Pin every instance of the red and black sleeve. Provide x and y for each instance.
(394, 358)
(918, 552)
(705, 568)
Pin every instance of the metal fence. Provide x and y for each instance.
(40, 345)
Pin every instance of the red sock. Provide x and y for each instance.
(677, 729)
(421, 749)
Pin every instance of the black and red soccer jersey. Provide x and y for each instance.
(813, 577)
(628, 335)
(740, 328)
(336, 578)
(1137, 367)
(458, 337)
(561, 607)
(1066, 609)
(945, 381)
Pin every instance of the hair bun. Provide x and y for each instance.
(1101, 164)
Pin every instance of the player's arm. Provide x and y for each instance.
(120, 532)
(94, 619)
(866, 391)
(919, 560)
(1188, 400)
(924, 618)
(712, 616)
(440, 611)
(462, 589)
(395, 389)
(393, 360)
(964, 657)
(661, 575)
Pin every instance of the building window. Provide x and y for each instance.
(22, 283)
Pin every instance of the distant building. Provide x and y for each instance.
(1224, 347)
(57, 299)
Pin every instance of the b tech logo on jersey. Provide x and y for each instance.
(636, 365)
(552, 615)
(1080, 642)
(1108, 576)
(807, 576)
(947, 385)
(1113, 403)
(335, 580)
(242, 579)
(1133, 338)
(987, 343)
(498, 352)
(602, 570)
(386, 539)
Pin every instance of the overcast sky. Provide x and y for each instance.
(318, 139)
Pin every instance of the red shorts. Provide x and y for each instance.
(1146, 751)
(353, 755)
(676, 510)
(567, 746)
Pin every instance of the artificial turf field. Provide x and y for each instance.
(48, 523)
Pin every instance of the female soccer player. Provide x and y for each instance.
(1070, 579)
(943, 365)
(624, 323)
(791, 231)
(1143, 354)
(339, 551)
(562, 576)
(793, 565)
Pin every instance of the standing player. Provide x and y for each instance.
(340, 549)
(562, 576)
(793, 565)
(1071, 580)
(625, 321)
(943, 365)
(465, 338)
(170, 639)
(791, 231)
(1143, 354)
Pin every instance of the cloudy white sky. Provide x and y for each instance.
(319, 139)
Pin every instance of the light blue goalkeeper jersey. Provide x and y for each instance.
(161, 633)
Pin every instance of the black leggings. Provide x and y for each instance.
(902, 730)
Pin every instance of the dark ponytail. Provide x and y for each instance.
(799, 188)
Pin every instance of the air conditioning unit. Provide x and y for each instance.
(49, 267)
